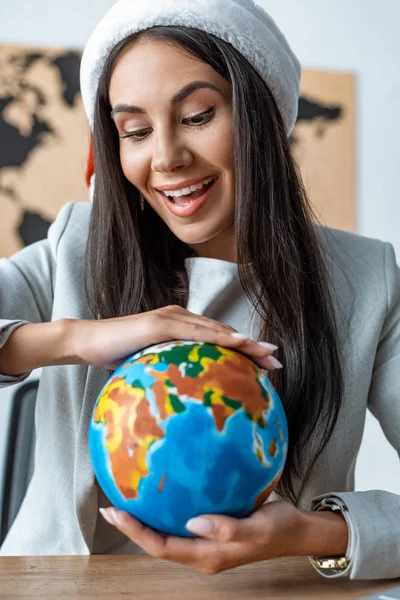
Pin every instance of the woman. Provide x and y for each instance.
(200, 229)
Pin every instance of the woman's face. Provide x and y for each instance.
(173, 114)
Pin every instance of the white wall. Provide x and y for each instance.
(361, 36)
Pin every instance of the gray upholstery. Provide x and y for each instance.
(19, 454)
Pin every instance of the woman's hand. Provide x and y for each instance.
(107, 343)
(272, 531)
(276, 529)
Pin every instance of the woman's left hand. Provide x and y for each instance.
(271, 531)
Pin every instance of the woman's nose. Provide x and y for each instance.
(169, 154)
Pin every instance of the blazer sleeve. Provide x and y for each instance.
(26, 285)
(373, 517)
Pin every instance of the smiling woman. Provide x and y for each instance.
(200, 229)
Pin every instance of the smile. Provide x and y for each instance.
(190, 193)
(186, 201)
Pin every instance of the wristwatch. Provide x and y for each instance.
(331, 565)
(338, 563)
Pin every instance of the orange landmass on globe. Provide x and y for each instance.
(272, 448)
(126, 413)
(229, 376)
(162, 483)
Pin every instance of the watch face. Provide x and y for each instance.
(334, 563)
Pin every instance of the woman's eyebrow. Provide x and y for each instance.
(178, 97)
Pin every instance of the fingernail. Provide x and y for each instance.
(268, 346)
(239, 336)
(200, 526)
(108, 515)
(275, 362)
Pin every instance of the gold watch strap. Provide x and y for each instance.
(330, 562)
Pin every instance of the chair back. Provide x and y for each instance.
(19, 454)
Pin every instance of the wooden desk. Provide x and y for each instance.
(141, 577)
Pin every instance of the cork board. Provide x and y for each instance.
(324, 140)
(43, 141)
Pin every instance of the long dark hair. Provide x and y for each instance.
(134, 263)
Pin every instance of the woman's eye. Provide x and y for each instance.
(201, 118)
(135, 136)
(197, 121)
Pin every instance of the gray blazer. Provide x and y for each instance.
(44, 282)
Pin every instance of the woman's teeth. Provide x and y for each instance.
(191, 193)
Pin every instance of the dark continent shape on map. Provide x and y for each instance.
(310, 110)
(32, 228)
(17, 148)
(68, 66)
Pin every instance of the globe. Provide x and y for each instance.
(185, 428)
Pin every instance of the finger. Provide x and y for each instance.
(266, 361)
(254, 348)
(209, 332)
(224, 529)
(174, 314)
(150, 540)
(270, 363)
(182, 550)
(210, 335)
(259, 353)
(247, 345)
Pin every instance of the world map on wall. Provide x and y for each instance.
(44, 139)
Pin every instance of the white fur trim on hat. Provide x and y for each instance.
(246, 26)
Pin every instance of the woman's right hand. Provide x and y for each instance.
(107, 343)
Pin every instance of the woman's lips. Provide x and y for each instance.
(192, 207)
